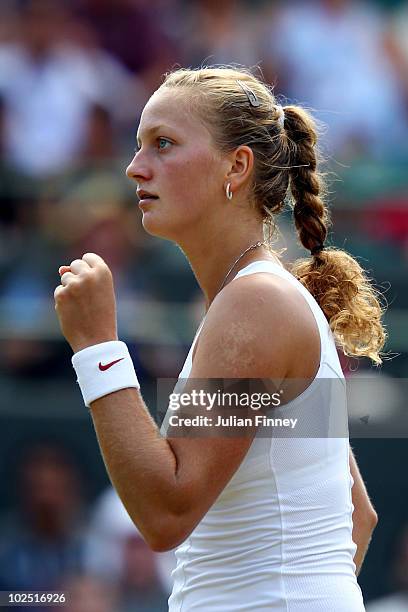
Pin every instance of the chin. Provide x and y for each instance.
(153, 225)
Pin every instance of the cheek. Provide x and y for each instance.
(194, 179)
(191, 185)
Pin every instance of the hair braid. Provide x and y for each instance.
(309, 211)
(335, 279)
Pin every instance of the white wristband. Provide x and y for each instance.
(104, 368)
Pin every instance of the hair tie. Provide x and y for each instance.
(316, 249)
(252, 99)
(280, 114)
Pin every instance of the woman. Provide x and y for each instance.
(261, 521)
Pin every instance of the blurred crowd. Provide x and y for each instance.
(74, 77)
(53, 541)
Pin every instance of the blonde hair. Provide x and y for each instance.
(239, 109)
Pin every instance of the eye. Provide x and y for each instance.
(137, 148)
(162, 142)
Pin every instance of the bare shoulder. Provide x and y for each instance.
(254, 328)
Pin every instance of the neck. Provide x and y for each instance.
(212, 261)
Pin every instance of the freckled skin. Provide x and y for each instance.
(188, 167)
(236, 338)
(241, 338)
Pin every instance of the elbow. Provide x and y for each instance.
(373, 519)
(166, 535)
(365, 520)
(160, 545)
(370, 520)
(166, 527)
(163, 542)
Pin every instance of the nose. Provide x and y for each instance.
(137, 169)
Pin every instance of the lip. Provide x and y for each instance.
(142, 194)
(145, 197)
(145, 202)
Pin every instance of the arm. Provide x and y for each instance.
(167, 485)
(364, 516)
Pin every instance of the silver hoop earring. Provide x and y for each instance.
(228, 191)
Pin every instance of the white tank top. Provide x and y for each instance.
(279, 536)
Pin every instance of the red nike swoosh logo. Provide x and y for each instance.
(106, 366)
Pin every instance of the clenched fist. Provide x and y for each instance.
(85, 302)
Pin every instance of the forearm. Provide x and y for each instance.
(362, 532)
(141, 463)
(152, 476)
(364, 515)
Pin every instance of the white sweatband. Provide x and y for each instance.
(104, 368)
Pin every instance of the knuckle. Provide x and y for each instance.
(86, 256)
(75, 261)
(58, 293)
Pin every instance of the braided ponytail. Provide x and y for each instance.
(335, 279)
(310, 214)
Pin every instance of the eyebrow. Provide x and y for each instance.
(154, 130)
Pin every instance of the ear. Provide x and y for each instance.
(240, 167)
